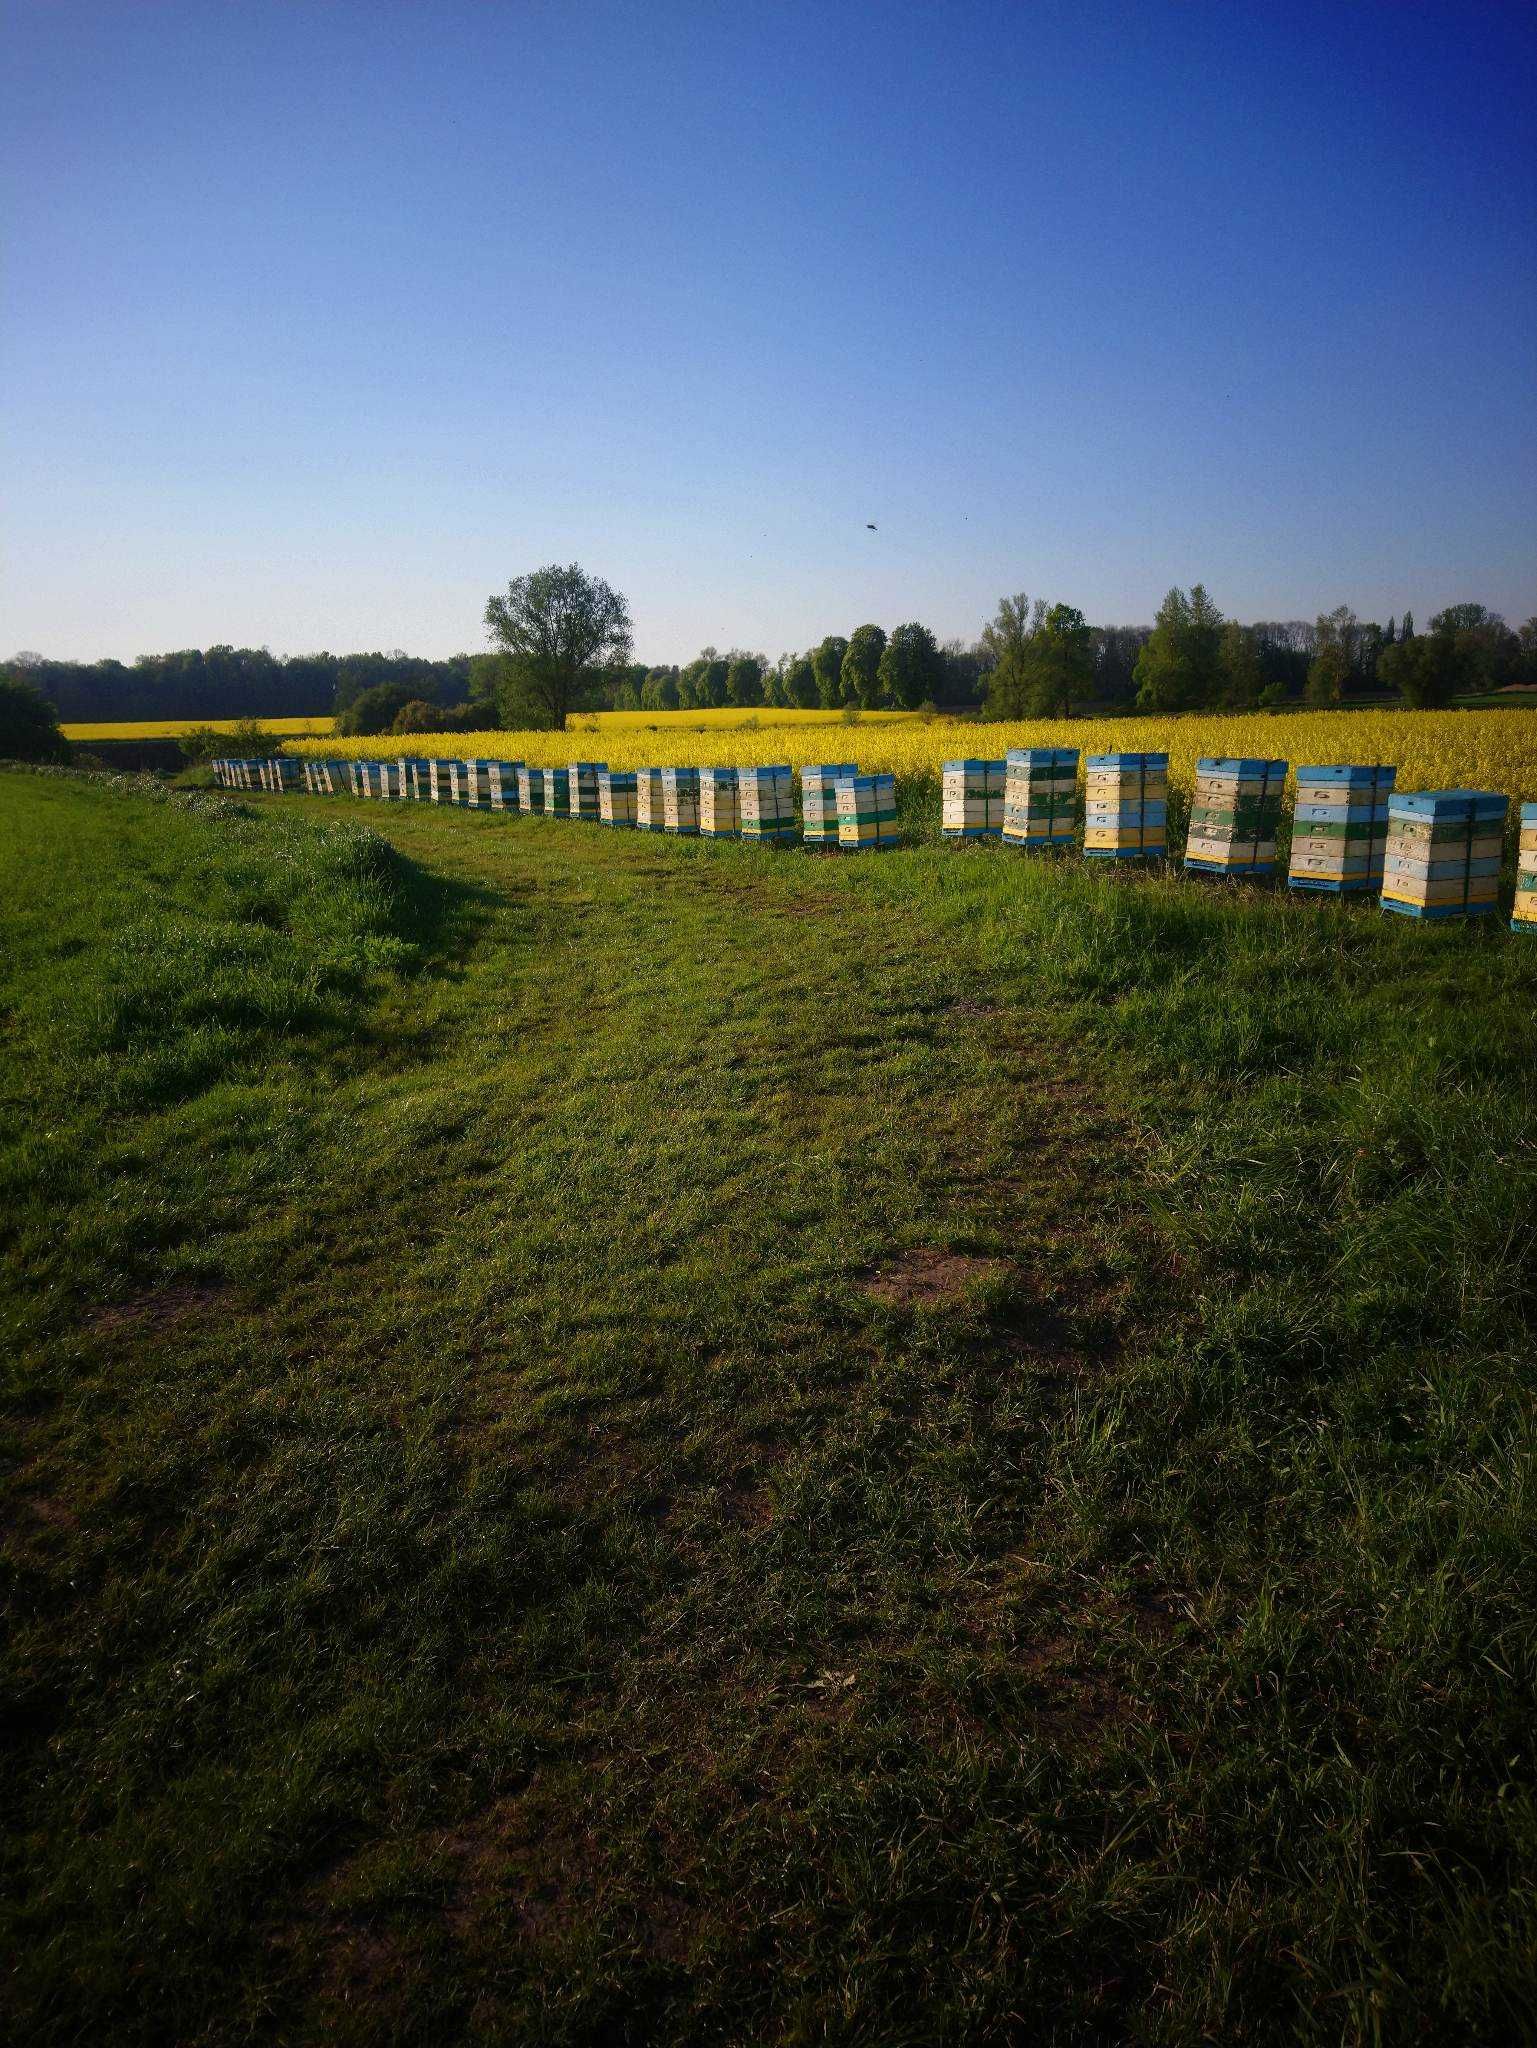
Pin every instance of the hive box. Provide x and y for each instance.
(443, 781)
(972, 793)
(1234, 815)
(1524, 916)
(530, 787)
(1040, 791)
(502, 779)
(1340, 828)
(680, 802)
(616, 797)
(280, 773)
(867, 811)
(1126, 806)
(1443, 853)
(719, 806)
(583, 782)
(556, 783)
(766, 803)
(819, 800)
(648, 800)
(476, 782)
(394, 779)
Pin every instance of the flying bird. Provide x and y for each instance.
(870, 526)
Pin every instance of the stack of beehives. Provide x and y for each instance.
(973, 800)
(1340, 828)
(867, 811)
(475, 783)
(819, 800)
(766, 803)
(282, 772)
(1443, 853)
(1234, 815)
(616, 796)
(1040, 792)
(557, 792)
(720, 814)
(583, 777)
(1523, 917)
(680, 801)
(649, 807)
(1126, 806)
(395, 785)
(323, 778)
(502, 780)
(530, 787)
(443, 782)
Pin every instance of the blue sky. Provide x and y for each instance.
(320, 322)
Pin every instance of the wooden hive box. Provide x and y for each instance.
(1040, 796)
(867, 812)
(649, 808)
(476, 783)
(557, 792)
(502, 776)
(1340, 828)
(1443, 853)
(819, 800)
(1523, 917)
(583, 783)
(616, 797)
(720, 812)
(766, 803)
(972, 800)
(1126, 806)
(1234, 816)
(680, 802)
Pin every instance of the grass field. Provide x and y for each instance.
(173, 728)
(615, 1441)
(1431, 749)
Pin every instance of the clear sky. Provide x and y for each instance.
(321, 321)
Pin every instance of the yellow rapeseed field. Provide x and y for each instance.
(1430, 749)
(172, 728)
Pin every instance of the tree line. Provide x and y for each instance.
(561, 642)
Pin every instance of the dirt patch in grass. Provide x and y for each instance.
(159, 1309)
(925, 1275)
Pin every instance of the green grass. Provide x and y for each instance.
(623, 1441)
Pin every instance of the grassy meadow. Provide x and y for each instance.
(627, 1441)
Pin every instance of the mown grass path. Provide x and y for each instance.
(635, 1441)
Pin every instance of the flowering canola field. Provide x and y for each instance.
(173, 728)
(1431, 749)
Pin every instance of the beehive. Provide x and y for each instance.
(1126, 806)
(476, 785)
(1040, 795)
(1443, 853)
(416, 777)
(327, 778)
(530, 788)
(720, 814)
(648, 800)
(680, 801)
(557, 792)
(819, 800)
(1234, 815)
(766, 803)
(1523, 917)
(867, 811)
(281, 772)
(502, 782)
(395, 780)
(616, 797)
(584, 789)
(972, 800)
(1340, 828)
(443, 782)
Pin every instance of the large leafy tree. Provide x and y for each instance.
(1336, 637)
(1243, 675)
(29, 725)
(744, 680)
(1043, 658)
(561, 631)
(861, 669)
(827, 666)
(1006, 638)
(911, 667)
(801, 686)
(1180, 666)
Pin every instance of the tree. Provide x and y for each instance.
(1043, 658)
(1424, 669)
(861, 668)
(420, 716)
(1007, 640)
(29, 725)
(1242, 676)
(713, 681)
(659, 692)
(744, 680)
(1179, 668)
(801, 686)
(910, 669)
(375, 710)
(1406, 630)
(1335, 641)
(560, 629)
(827, 666)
